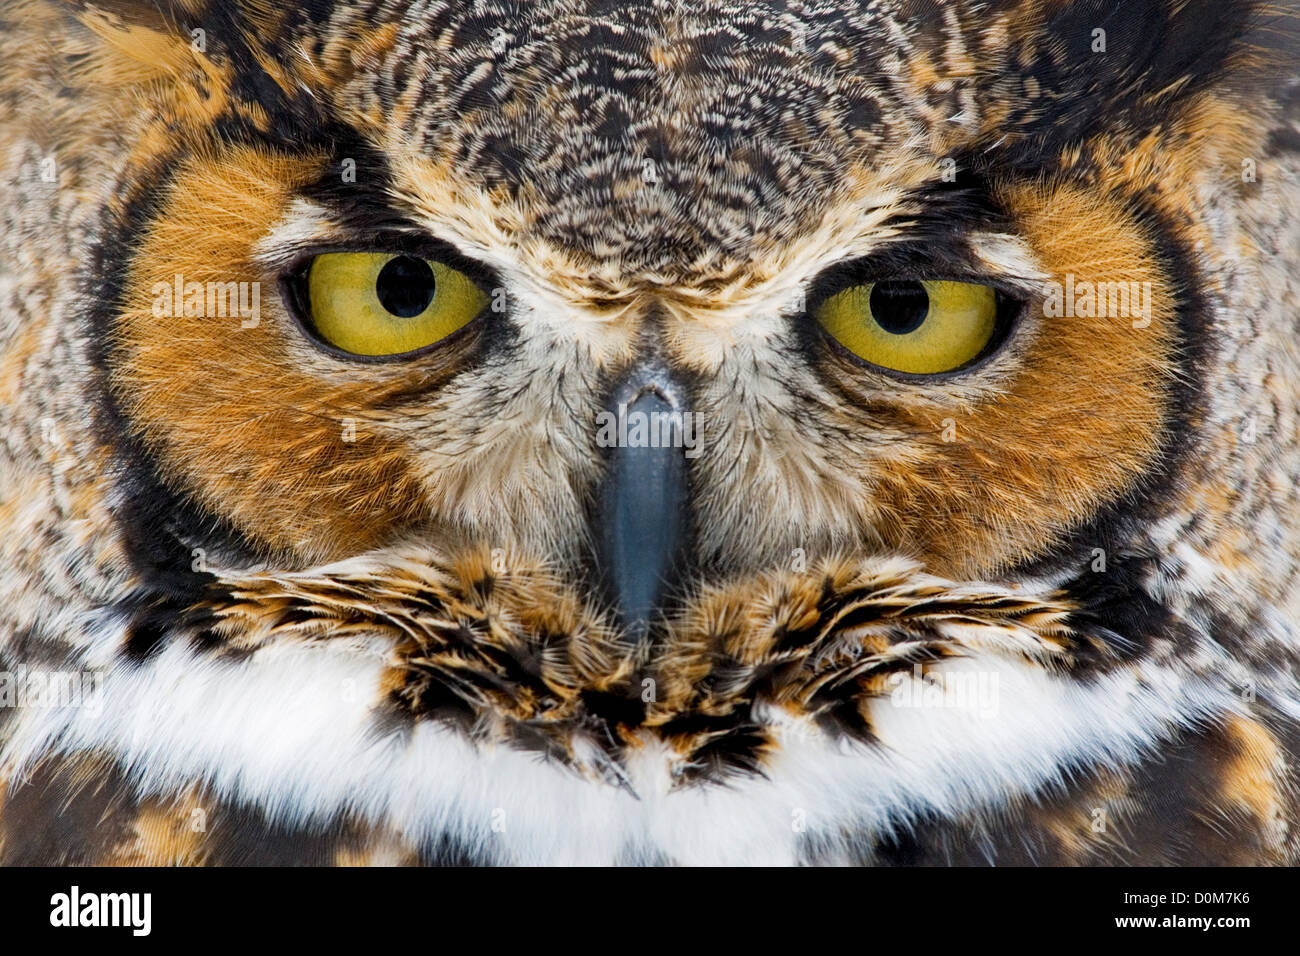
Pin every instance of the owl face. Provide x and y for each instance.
(655, 388)
(656, 233)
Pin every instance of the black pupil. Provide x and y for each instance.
(899, 307)
(405, 286)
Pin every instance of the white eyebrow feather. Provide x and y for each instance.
(1009, 256)
(304, 224)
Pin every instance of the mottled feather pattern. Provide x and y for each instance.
(512, 657)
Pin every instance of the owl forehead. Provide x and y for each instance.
(643, 132)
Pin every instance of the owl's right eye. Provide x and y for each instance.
(921, 327)
(385, 304)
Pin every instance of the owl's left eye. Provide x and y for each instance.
(376, 304)
(922, 327)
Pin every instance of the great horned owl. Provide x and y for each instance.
(641, 432)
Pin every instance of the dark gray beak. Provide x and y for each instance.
(642, 513)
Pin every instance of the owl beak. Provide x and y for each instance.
(642, 511)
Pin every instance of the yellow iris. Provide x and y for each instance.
(377, 303)
(923, 327)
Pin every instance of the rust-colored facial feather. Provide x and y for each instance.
(288, 444)
(986, 480)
